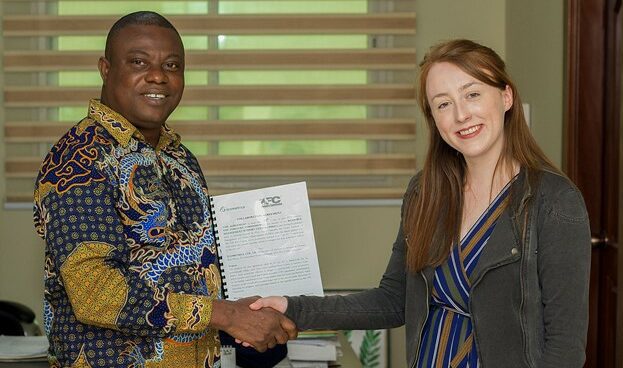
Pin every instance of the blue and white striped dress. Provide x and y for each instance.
(447, 339)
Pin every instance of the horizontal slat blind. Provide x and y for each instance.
(398, 23)
(388, 59)
(220, 109)
(22, 167)
(391, 129)
(395, 94)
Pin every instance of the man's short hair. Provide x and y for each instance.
(140, 18)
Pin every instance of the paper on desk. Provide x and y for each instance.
(302, 364)
(23, 347)
(313, 350)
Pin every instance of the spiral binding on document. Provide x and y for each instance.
(218, 255)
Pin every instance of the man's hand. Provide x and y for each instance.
(261, 329)
(277, 303)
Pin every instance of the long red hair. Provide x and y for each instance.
(432, 215)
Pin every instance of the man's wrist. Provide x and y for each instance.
(221, 314)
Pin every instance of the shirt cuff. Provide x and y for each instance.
(192, 312)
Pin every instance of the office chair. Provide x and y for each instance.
(17, 320)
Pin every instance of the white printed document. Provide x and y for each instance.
(266, 243)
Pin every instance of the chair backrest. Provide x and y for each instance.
(9, 325)
(17, 319)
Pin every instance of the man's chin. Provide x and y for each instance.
(148, 123)
(154, 118)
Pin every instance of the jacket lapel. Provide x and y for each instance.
(501, 248)
(504, 245)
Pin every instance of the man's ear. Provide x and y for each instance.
(104, 66)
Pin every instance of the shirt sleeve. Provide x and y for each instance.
(85, 236)
(564, 272)
(380, 307)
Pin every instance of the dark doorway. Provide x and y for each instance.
(593, 81)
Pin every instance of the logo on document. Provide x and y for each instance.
(227, 209)
(271, 201)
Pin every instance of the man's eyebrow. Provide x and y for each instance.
(143, 52)
(137, 51)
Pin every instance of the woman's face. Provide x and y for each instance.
(468, 113)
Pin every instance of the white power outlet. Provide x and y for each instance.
(526, 112)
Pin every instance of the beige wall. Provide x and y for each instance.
(535, 58)
(354, 242)
(21, 260)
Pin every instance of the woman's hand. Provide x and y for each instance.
(278, 303)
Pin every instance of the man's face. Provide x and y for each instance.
(144, 76)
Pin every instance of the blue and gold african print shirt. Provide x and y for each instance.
(130, 271)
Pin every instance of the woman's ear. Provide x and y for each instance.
(507, 95)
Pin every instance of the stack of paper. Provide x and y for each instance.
(23, 348)
(314, 349)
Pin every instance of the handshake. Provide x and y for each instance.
(254, 321)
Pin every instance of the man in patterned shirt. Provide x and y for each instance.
(130, 268)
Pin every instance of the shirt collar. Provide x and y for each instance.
(123, 131)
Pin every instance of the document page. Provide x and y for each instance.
(266, 242)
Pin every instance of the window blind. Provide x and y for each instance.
(240, 101)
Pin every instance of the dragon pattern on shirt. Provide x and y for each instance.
(130, 269)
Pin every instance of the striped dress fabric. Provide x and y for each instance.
(447, 339)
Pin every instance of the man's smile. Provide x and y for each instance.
(155, 95)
